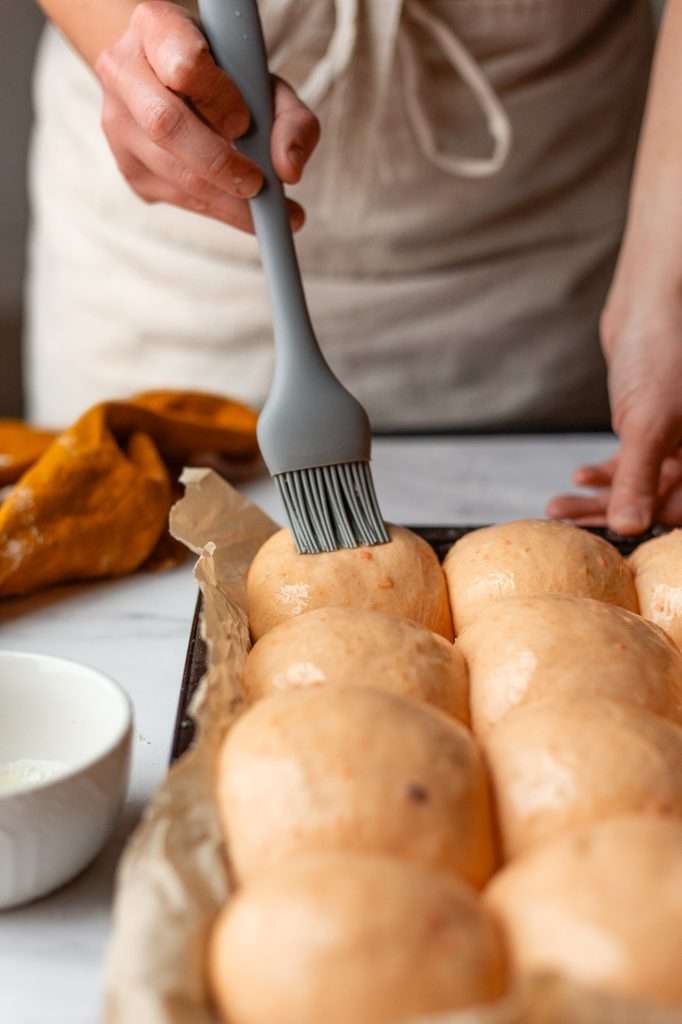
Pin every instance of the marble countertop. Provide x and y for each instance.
(136, 630)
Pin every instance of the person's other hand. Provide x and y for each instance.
(592, 509)
(171, 115)
(641, 333)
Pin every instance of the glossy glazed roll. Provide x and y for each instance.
(354, 769)
(402, 578)
(356, 647)
(657, 565)
(602, 905)
(335, 939)
(560, 764)
(529, 558)
(525, 649)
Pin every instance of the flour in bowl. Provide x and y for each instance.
(28, 772)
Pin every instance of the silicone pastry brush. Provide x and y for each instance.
(314, 435)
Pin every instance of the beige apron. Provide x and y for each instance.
(464, 212)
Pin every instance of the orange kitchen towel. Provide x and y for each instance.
(95, 501)
(20, 446)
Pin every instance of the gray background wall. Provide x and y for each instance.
(21, 23)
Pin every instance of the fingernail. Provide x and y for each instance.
(630, 519)
(235, 125)
(296, 157)
(248, 186)
(297, 219)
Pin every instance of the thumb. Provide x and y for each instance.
(295, 133)
(635, 482)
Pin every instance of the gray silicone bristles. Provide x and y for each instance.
(332, 507)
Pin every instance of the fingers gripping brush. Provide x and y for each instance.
(314, 436)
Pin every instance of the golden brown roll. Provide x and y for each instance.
(354, 769)
(335, 939)
(602, 905)
(356, 647)
(525, 649)
(657, 565)
(529, 558)
(560, 764)
(402, 578)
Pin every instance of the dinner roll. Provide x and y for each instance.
(564, 763)
(353, 646)
(532, 557)
(657, 565)
(602, 905)
(356, 769)
(524, 649)
(402, 578)
(334, 939)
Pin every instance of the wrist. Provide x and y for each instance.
(652, 241)
(649, 267)
(91, 26)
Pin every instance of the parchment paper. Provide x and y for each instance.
(174, 875)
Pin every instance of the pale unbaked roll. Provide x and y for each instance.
(339, 939)
(657, 565)
(559, 764)
(354, 769)
(524, 649)
(402, 578)
(356, 647)
(602, 905)
(533, 557)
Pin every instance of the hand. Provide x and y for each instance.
(642, 342)
(592, 509)
(171, 114)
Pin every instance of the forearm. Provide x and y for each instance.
(90, 25)
(655, 214)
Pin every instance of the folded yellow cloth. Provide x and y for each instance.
(20, 447)
(94, 500)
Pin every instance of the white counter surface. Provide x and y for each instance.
(136, 630)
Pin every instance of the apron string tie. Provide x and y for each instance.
(336, 60)
(473, 76)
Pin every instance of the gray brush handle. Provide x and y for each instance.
(309, 419)
(235, 35)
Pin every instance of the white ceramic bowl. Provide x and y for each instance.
(58, 711)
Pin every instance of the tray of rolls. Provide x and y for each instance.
(448, 787)
(440, 538)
